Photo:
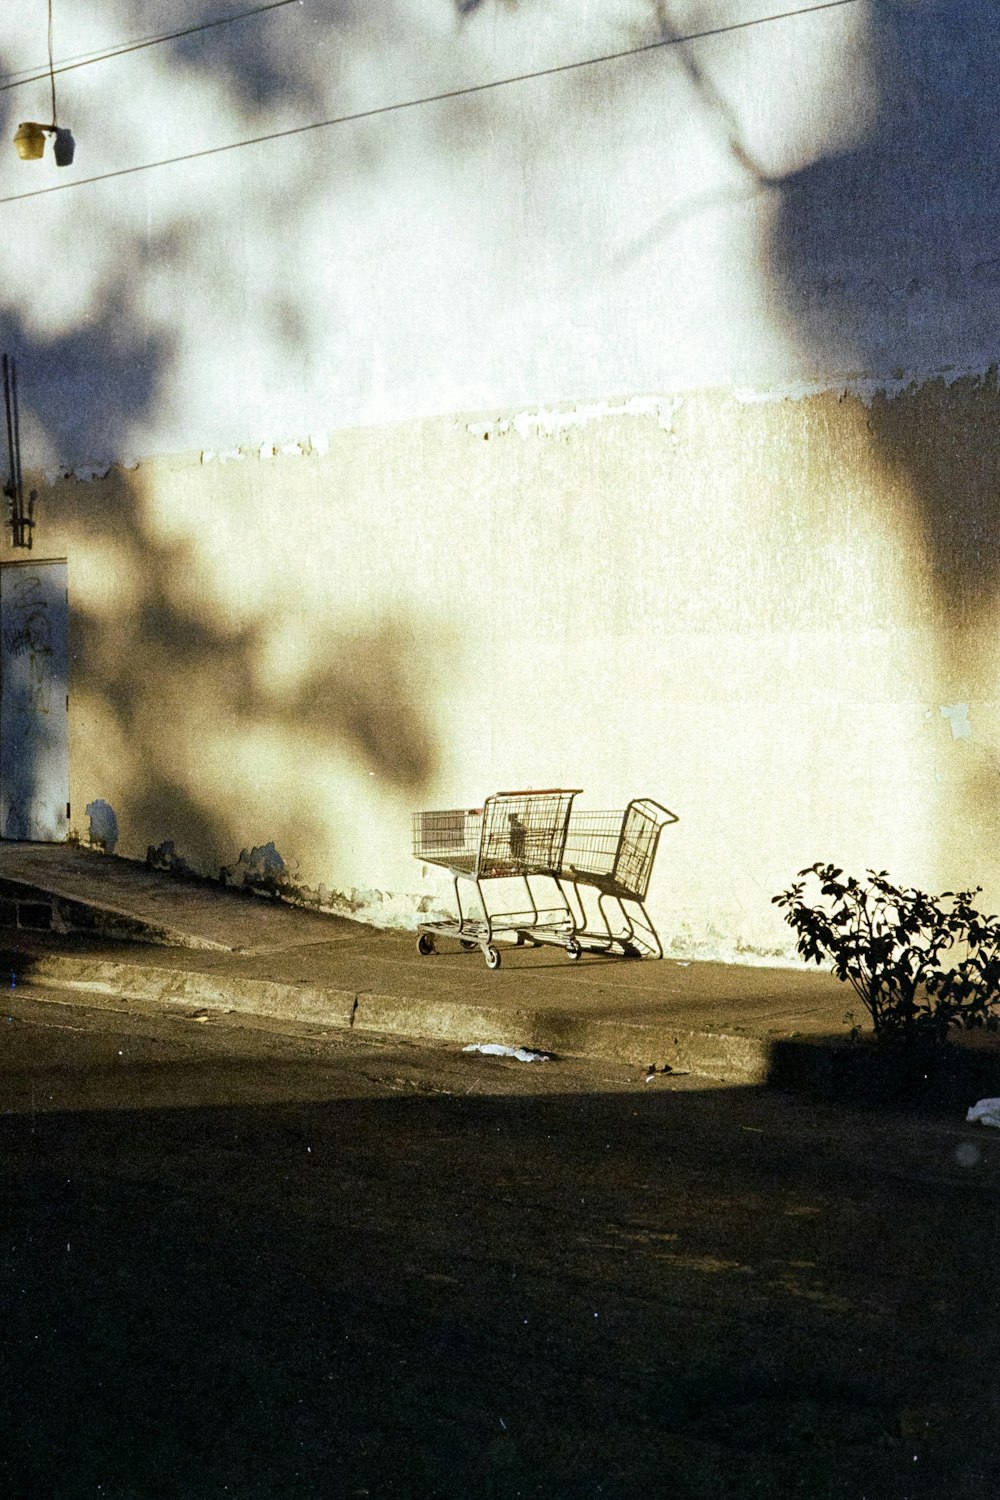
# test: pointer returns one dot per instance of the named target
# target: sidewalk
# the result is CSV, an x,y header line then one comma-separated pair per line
x,y
224,951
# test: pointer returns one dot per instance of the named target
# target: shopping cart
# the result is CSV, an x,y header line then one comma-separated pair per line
x,y
612,853
514,837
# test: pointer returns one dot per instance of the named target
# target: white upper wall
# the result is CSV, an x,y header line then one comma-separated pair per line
x,y
808,200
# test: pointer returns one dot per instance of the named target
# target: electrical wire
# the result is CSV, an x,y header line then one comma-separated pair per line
x,y
137,46
459,93
52,71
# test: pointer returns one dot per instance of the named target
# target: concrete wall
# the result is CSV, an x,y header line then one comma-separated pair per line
x,y
753,611
631,427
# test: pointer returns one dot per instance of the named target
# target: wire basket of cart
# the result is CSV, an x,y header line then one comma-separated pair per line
x,y
611,854
513,847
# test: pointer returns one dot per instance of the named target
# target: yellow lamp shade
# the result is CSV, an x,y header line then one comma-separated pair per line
x,y
29,140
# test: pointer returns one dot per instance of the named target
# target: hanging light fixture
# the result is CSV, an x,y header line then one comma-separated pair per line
x,y
29,141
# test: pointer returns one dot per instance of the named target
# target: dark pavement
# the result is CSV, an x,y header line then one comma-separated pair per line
x,y
240,1263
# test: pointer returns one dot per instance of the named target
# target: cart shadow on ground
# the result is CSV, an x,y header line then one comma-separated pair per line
x,y
527,957
256,1283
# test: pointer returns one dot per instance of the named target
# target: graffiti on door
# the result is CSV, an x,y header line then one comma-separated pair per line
x,y
34,748
27,641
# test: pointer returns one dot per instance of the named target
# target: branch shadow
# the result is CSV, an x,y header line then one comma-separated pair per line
x,y
884,258
164,661
105,378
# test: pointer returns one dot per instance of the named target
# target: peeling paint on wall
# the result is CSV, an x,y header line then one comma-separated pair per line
x,y
957,715
228,455
866,390
86,473
165,857
547,423
103,825
260,868
318,443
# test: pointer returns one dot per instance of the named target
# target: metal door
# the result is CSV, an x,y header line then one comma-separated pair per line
x,y
34,728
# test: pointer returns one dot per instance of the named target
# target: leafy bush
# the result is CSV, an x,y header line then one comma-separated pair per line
x,y
919,963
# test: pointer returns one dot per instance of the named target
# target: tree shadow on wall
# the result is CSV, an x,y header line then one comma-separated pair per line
x,y
886,264
266,59
94,385
162,672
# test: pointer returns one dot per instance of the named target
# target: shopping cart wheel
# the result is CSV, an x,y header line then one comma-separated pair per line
x,y
425,944
468,944
573,949
492,956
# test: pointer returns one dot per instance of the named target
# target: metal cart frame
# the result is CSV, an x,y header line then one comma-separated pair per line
x,y
612,853
514,836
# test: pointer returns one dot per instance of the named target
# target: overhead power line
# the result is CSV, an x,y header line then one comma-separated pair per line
x,y
91,58
459,93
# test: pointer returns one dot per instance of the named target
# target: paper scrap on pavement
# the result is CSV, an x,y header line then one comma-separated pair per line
x,y
495,1049
987,1112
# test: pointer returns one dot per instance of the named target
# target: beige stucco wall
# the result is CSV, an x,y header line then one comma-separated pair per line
x,y
753,611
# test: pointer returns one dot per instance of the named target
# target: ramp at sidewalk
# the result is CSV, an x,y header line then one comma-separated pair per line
x,y
59,886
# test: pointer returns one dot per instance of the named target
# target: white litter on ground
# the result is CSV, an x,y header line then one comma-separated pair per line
x,y
987,1112
495,1049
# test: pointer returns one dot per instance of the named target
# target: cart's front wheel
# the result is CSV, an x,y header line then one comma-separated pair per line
x,y
425,944
492,956
573,949
468,944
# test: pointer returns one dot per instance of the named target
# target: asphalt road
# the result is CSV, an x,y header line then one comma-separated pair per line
x,y
246,1263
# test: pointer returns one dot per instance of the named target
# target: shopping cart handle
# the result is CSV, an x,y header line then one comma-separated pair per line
x,y
546,791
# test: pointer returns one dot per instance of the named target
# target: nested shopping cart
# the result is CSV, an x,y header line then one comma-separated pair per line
x,y
611,854
514,843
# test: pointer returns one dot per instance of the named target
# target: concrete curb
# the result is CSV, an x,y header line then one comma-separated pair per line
x,y
730,1058
173,987
828,1067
